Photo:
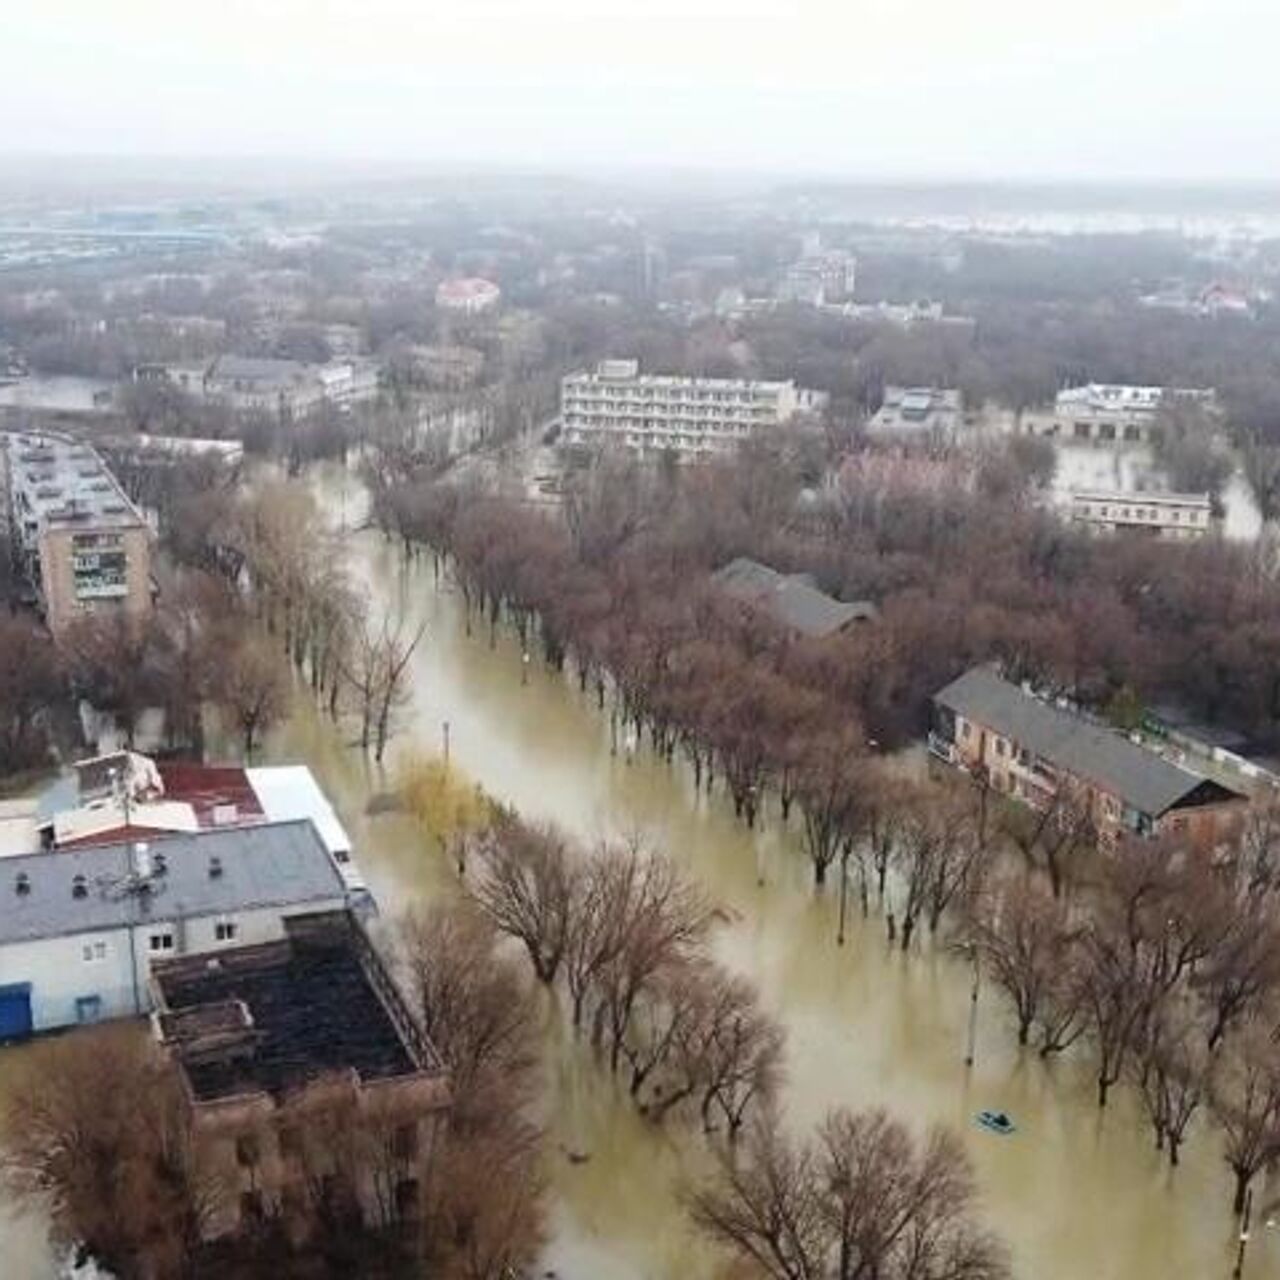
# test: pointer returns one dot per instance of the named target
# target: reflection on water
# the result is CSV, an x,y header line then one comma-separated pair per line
x,y
1076,1194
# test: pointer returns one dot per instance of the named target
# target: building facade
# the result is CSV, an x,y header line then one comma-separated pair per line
x,y
83,545
289,388
1178,516
80,927
918,413
273,1095
1107,412
1048,757
691,417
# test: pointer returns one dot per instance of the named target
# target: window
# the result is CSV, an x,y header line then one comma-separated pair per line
x,y
1000,746
224,931
162,941
88,1008
92,951
965,731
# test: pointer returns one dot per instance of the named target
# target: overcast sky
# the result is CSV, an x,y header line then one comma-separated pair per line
x,y
1106,89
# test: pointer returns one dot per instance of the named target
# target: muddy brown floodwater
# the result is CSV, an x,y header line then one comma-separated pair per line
x,y
1076,1193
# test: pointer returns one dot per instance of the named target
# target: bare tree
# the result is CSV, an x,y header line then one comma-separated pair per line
x,y
862,1201
1026,942
528,889
95,1127
253,687
1246,1104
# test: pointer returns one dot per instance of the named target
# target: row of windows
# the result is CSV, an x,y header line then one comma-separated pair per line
x,y
160,941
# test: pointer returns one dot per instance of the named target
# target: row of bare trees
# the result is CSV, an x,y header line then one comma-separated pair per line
x,y
1168,968
624,936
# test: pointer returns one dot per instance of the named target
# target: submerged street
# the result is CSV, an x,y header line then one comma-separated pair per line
x,y
1074,1192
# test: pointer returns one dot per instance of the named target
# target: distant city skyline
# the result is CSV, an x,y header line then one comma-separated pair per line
x,y
1163,90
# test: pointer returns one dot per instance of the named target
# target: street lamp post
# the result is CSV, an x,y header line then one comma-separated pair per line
x,y
524,667
973,1007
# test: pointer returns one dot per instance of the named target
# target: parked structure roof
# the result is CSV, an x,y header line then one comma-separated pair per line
x,y
1143,780
201,873
790,599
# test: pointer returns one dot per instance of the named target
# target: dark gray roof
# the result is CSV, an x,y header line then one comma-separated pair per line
x,y
276,864
1143,780
791,600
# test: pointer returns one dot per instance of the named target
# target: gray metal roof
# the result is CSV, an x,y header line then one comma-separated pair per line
x,y
791,600
276,864
1143,780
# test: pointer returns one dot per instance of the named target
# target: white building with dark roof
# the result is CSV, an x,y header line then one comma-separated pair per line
x,y
1108,412
80,927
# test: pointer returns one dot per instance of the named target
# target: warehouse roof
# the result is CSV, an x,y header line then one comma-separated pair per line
x,y
199,873
791,600
1143,780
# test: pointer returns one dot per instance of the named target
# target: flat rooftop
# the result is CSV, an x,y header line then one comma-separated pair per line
x,y
274,1017
63,483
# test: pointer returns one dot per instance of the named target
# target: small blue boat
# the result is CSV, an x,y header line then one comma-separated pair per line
x,y
995,1122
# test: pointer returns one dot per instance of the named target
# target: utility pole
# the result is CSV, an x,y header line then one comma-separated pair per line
x,y
445,731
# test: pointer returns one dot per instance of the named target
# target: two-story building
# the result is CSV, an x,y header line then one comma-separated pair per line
x,y
80,926
1035,752
305,1073
1177,516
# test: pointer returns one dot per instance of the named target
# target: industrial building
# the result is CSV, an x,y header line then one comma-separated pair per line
x,y
80,927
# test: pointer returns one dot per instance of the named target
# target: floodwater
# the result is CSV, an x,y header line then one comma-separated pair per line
x,y
1075,1193
1131,467
1078,1195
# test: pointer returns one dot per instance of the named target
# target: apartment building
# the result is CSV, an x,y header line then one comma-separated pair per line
x,y
82,544
1179,516
691,417
80,926
1044,755
1108,412
282,1045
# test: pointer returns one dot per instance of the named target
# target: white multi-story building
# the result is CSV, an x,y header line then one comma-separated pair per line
x,y
918,413
1162,515
80,927
692,417
1108,412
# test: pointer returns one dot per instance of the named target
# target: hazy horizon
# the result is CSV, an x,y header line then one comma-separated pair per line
x,y
1137,91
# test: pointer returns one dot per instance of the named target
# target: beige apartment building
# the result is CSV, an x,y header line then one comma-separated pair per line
x,y
83,545
690,417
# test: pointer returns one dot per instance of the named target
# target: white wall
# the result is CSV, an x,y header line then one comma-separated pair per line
x,y
60,975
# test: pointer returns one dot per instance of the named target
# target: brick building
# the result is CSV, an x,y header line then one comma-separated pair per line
x,y
1031,751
